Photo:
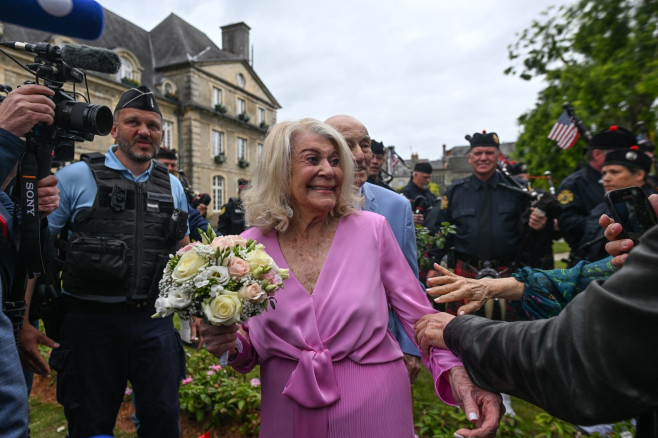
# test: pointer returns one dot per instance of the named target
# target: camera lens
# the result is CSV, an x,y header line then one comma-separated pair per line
x,y
86,117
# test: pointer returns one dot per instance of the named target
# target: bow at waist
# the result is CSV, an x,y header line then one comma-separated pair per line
x,y
312,383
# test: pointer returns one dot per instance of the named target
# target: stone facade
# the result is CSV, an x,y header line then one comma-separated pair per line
x,y
216,110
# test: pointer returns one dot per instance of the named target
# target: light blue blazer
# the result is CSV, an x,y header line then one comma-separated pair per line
x,y
397,211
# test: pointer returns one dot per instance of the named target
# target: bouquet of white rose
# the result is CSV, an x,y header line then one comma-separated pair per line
x,y
224,280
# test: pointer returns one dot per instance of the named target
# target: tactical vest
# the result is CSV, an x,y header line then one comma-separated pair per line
x,y
120,245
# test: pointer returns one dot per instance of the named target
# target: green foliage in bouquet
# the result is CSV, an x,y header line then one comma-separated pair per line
x,y
426,241
216,396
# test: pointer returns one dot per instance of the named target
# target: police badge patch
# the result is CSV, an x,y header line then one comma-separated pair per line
x,y
565,197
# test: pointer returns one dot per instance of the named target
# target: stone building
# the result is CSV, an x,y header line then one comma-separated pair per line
x,y
216,110
452,166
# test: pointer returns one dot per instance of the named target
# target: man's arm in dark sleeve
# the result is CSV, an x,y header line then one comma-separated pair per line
x,y
595,362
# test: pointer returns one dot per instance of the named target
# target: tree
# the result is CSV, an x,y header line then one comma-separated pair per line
x,y
599,55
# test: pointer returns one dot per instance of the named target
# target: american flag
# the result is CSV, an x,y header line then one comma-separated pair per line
x,y
564,132
394,160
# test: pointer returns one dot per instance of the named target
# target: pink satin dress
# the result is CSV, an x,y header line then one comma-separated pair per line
x,y
329,365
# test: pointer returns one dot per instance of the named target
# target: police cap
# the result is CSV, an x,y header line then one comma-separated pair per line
x,y
141,98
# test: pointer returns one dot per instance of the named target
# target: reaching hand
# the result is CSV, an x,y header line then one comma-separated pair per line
x,y
452,287
481,407
429,331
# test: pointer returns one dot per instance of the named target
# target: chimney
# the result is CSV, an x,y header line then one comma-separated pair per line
x,y
235,39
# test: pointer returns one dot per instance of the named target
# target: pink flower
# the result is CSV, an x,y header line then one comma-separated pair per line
x,y
216,367
253,292
187,247
255,382
223,242
238,267
187,380
128,391
210,373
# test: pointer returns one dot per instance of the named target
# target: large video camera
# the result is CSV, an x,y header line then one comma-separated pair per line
x,y
74,121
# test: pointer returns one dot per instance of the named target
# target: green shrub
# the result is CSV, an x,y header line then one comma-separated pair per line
x,y
220,396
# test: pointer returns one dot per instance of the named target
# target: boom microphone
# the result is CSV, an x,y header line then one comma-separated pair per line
x,y
91,58
75,56
75,18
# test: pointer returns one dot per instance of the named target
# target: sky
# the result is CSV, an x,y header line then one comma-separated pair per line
x,y
419,74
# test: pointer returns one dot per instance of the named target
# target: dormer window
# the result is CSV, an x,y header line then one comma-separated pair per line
x,y
127,70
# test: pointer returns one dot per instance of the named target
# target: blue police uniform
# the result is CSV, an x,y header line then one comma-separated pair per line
x,y
578,194
105,342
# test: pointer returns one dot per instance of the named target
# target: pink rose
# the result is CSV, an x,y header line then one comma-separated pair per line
x,y
253,292
223,242
186,248
238,267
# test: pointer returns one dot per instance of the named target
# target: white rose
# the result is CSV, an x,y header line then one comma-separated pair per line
x,y
224,309
179,299
259,259
253,292
187,267
162,307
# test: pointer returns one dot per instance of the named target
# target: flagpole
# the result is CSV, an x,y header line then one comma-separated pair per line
x,y
584,132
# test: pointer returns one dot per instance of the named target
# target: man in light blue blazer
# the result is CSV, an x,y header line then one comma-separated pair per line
x,y
395,208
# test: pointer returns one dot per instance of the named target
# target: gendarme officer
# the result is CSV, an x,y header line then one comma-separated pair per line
x,y
581,191
125,214
231,216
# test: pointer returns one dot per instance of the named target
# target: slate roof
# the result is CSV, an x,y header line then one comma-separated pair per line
x,y
173,42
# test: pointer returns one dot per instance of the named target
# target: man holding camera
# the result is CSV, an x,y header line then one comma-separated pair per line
x,y
418,192
125,214
19,112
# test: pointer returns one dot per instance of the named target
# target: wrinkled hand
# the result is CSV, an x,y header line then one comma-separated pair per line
x,y
618,248
219,338
481,407
26,106
429,331
48,194
31,358
413,364
452,287
418,219
537,222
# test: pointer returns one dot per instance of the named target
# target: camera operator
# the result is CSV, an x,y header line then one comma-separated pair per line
x,y
21,110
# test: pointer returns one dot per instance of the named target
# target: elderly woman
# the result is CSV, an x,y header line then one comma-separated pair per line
x,y
329,366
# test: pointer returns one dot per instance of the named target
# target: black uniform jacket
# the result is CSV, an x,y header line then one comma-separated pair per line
x,y
595,362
